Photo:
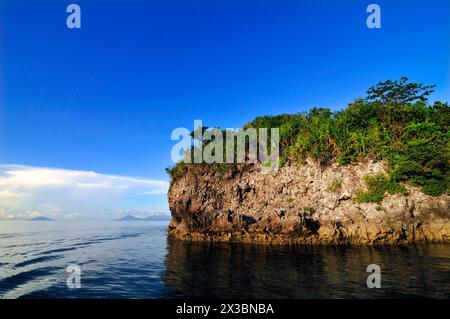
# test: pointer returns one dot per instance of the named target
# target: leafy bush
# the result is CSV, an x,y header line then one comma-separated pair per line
x,y
434,187
377,186
371,196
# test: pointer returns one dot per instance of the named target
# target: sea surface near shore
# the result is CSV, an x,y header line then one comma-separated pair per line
x,y
136,260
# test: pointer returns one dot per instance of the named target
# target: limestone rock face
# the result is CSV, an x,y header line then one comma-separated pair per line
x,y
308,204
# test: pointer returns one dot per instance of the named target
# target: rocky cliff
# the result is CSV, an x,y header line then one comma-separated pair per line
x,y
301,203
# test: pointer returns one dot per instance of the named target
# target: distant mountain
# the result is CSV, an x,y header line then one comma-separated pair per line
x,y
134,218
129,218
41,218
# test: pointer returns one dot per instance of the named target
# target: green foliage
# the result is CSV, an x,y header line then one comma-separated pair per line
x,y
335,186
371,196
399,92
393,122
377,186
177,171
434,187
403,168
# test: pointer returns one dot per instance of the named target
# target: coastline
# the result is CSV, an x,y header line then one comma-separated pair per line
x,y
296,206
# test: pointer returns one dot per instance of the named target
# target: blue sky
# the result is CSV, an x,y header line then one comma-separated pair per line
x,y
105,98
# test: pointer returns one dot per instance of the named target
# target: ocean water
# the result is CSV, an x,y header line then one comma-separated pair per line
x,y
136,260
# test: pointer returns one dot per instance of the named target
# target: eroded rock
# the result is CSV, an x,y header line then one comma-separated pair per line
x,y
296,205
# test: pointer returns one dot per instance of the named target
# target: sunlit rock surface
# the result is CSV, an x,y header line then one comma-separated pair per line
x,y
299,204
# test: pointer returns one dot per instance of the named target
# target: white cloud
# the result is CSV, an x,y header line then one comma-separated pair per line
x,y
8,193
5,215
70,192
34,213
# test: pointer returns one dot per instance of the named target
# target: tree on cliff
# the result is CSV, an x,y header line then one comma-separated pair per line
x,y
399,92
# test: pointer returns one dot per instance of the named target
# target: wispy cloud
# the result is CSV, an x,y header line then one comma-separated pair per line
x,y
69,192
5,215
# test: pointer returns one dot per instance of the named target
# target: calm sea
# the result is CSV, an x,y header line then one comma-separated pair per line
x,y
135,260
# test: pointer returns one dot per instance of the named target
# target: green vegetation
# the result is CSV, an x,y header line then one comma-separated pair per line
x,y
335,186
393,122
176,171
377,186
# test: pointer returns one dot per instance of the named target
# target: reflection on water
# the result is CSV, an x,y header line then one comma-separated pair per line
x,y
258,271
135,260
